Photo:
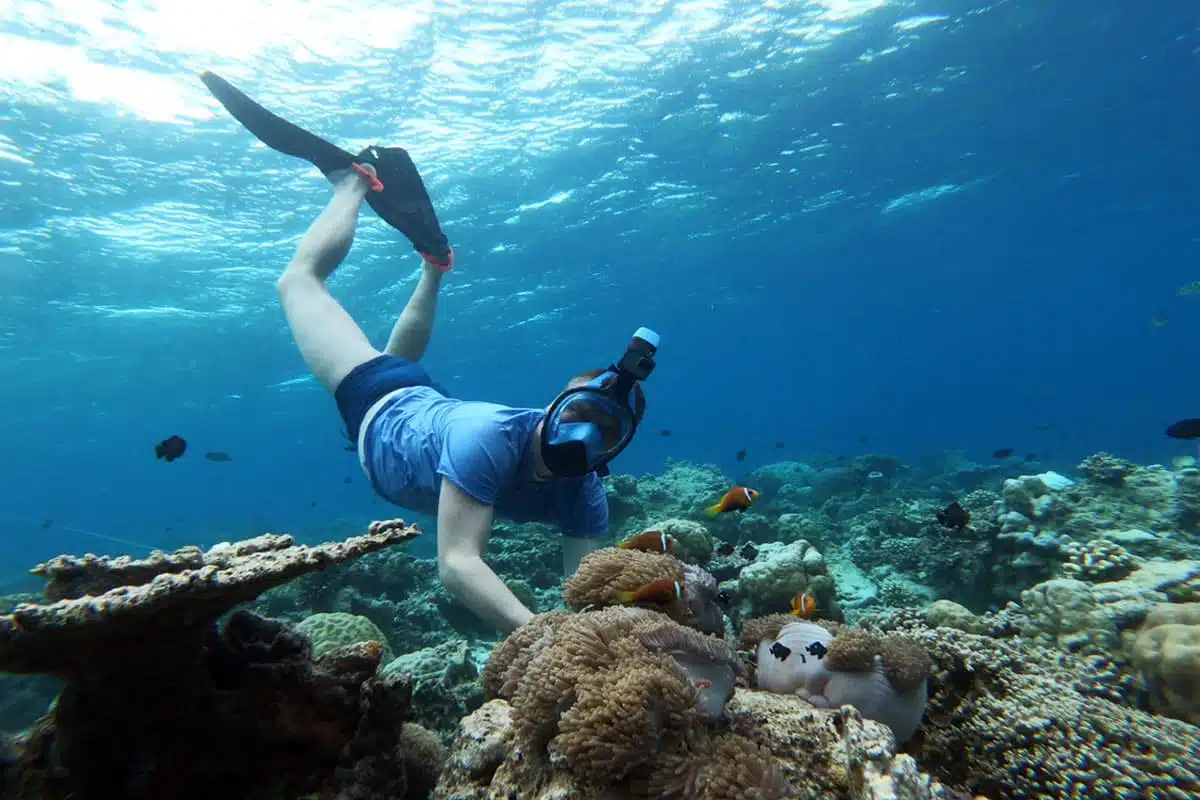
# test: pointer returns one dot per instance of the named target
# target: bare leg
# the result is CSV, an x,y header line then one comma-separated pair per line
x,y
410,335
329,340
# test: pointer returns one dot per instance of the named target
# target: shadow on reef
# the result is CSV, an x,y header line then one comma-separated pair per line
x,y
162,701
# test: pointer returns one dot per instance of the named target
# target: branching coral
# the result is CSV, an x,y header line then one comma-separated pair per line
x,y
160,702
1106,469
1097,560
1009,720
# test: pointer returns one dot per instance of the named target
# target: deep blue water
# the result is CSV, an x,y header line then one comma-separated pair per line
x,y
937,225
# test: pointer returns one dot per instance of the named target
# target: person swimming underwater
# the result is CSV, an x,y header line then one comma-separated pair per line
x,y
469,462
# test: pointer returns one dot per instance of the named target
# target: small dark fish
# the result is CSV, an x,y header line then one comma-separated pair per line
x,y
1031,457
665,432
47,523
1003,452
954,516
1160,321
741,454
1185,429
346,479
170,448
841,458
725,549
862,439
779,445
351,448
724,598
781,651
1046,426
217,455
749,551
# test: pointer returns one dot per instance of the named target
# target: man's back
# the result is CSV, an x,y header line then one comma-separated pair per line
x,y
418,437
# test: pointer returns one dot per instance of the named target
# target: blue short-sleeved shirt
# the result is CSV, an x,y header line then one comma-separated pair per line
x,y
420,437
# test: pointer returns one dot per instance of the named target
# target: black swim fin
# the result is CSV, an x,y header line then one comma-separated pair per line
x,y
404,203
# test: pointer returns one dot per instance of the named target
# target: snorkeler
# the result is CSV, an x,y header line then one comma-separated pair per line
x,y
466,461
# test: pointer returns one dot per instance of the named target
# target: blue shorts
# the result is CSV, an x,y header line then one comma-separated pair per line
x,y
370,381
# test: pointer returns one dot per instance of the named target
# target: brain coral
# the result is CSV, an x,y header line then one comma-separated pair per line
x,y
328,631
1167,651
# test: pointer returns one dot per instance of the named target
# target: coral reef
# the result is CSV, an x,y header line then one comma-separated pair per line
x,y
621,703
1013,720
619,697
1167,653
820,755
779,572
161,701
1097,561
445,684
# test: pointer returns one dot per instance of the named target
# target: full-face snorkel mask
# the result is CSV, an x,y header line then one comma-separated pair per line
x,y
588,425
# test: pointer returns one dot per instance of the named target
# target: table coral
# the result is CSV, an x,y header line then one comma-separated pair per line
x,y
161,702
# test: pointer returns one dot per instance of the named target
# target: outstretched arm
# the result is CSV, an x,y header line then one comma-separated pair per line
x,y
464,525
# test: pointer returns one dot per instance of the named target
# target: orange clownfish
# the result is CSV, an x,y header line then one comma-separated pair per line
x,y
739,498
804,605
664,591
650,541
